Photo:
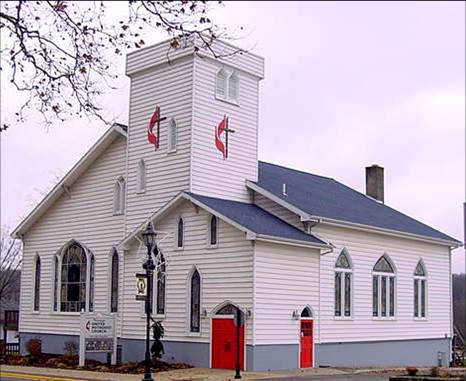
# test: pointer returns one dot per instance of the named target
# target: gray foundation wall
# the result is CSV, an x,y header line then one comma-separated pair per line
x,y
423,352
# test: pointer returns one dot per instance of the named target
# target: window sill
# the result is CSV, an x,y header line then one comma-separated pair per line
x,y
193,334
176,248
227,100
139,192
350,318
419,318
64,313
375,318
159,317
35,312
171,151
118,213
212,246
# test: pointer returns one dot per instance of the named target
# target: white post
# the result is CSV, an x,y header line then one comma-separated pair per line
x,y
82,349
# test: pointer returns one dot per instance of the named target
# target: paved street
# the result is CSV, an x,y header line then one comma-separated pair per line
x,y
346,377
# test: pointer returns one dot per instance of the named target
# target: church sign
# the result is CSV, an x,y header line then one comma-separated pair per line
x,y
98,335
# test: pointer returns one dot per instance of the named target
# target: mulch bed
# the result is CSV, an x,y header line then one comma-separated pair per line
x,y
71,362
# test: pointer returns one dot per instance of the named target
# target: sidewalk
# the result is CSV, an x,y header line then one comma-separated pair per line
x,y
192,374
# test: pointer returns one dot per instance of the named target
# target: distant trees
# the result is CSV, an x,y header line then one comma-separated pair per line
x,y
10,264
459,302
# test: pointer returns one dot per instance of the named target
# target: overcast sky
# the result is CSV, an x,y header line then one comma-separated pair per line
x,y
346,85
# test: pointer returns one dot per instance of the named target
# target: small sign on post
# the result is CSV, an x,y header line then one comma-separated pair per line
x,y
98,335
141,286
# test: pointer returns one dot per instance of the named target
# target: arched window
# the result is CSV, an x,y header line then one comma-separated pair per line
x,y
420,290
37,284
55,283
383,288
306,313
172,135
73,279
195,302
180,233
119,196
161,272
221,84
141,179
91,283
343,285
213,231
114,282
233,87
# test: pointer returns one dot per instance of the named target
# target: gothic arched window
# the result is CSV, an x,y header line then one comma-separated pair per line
x,y
172,135
73,279
180,233
161,273
91,283
55,282
195,302
383,288
343,285
119,190
221,84
420,290
141,176
213,231
37,284
233,87
114,282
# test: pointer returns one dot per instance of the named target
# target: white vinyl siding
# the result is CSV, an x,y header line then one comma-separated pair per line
x,y
211,175
286,279
170,87
226,274
82,215
365,249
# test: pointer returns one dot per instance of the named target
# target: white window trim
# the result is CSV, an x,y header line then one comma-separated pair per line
x,y
155,293
56,292
172,124
343,294
109,285
209,221
379,276
119,196
226,98
141,180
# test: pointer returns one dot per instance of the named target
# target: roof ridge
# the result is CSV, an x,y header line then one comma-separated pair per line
x,y
297,170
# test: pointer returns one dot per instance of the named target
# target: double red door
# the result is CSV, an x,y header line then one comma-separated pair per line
x,y
224,341
306,355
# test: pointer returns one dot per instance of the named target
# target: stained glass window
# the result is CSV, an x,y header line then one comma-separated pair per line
x,y
114,282
213,230
73,279
160,306
91,283
343,287
383,289
180,233
55,283
420,290
37,285
195,309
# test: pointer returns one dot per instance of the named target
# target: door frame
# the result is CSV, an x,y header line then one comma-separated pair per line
x,y
214,316
299,341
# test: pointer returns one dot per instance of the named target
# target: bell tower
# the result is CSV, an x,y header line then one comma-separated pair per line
x,y
196,90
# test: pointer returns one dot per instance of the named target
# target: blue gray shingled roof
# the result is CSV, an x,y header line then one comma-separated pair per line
x,y
256,219
325,197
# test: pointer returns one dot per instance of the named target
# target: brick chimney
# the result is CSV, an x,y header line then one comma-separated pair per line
x,y
374,182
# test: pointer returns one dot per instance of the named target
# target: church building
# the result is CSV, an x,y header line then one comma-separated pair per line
x,y
323,275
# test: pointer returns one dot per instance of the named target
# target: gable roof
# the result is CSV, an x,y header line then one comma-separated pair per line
x,y
257,223
95,151
317,197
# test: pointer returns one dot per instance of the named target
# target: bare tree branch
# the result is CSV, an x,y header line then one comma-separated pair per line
x,y
10,264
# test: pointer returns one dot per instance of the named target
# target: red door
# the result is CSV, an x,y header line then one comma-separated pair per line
x,y
224,344
306,344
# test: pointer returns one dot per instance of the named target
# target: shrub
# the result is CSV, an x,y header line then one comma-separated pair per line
x,y
412,370
34,347
434,371
70,348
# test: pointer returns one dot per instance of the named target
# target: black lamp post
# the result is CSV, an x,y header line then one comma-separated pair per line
x,y
149,239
